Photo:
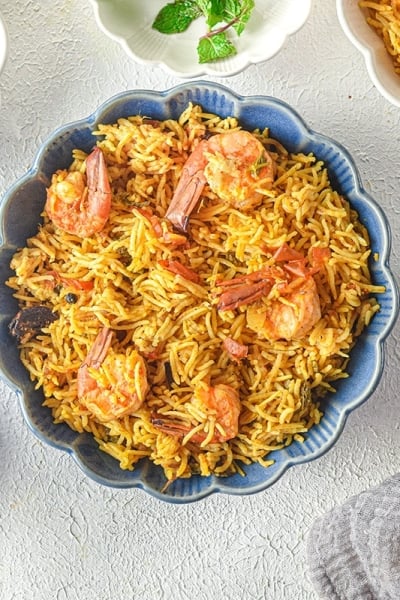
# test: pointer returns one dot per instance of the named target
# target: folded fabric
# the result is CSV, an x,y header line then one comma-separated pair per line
x,y
353,550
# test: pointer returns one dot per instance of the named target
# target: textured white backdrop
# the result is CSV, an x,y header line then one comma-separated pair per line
x,y
64,537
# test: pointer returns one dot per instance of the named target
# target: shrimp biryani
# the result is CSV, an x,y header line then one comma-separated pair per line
x,y
200,289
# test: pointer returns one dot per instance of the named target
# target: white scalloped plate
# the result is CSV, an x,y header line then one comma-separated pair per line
x,y
129,23
379,65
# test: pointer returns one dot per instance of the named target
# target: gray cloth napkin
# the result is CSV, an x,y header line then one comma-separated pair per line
x,y
353,550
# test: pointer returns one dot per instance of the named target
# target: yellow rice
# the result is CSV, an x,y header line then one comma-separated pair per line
x,y
384,18
175,322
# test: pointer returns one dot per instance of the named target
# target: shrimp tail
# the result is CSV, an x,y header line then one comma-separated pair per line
x,y
246,289
243,294
183,205
188,191
180,430
99,349
171,427
94,358
96,173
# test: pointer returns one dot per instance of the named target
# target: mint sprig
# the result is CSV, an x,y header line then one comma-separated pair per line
x,y
221,16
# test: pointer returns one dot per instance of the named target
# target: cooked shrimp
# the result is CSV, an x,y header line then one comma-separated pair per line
x,y
235,165
221,403
80,204
294,307
111,385
291,316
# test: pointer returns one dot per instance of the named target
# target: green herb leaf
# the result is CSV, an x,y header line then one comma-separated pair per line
x,y
215,47
176,17
244,16
232,9
215,12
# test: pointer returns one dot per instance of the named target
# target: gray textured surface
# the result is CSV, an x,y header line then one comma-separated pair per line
x,y
62,536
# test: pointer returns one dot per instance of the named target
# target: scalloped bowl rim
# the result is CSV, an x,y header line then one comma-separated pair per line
x,y
205,69
379,66
162,100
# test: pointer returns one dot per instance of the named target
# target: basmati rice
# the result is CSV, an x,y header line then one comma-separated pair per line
x,y
384,17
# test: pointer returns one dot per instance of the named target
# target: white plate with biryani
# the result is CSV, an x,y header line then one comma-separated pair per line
x,y
373,26
190,39
206,298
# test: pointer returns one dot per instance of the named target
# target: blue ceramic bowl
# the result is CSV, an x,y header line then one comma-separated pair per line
x,y
27,198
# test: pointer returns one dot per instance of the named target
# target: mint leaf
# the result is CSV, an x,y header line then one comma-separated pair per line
x,y
215,12
232,9
176,17
244,16
215,47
